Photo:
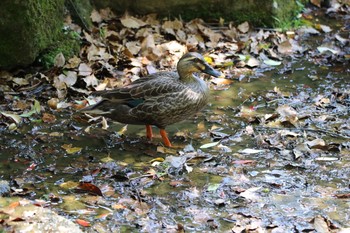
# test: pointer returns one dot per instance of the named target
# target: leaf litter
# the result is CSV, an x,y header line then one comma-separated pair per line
x,y
267,155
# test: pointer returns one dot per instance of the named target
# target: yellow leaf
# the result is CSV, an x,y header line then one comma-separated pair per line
x,y
69,185
159,159
71,150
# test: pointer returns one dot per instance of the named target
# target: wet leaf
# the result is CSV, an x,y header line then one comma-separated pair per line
x,y
244,161
48,118
36,108
71,150
250,151
325,28
272,62
69,185
213,187
285,47
317,143
322,49
251,193
320,224
83,223
16,118
326,159
342,195
253,62
288,114
208,145
91,188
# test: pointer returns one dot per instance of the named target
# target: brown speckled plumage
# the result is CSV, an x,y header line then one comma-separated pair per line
x,y
160,99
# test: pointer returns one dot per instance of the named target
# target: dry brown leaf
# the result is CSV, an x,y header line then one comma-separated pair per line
x,y
253,62
95,16
285,47
20,81
131,22
91,80
317,143
73,62
133,46
84,69
48,118
287,113
243,27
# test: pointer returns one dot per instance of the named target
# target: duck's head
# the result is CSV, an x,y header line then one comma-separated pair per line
x,y
194,63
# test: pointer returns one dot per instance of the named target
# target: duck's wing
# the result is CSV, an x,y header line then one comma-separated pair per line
x,y
154,85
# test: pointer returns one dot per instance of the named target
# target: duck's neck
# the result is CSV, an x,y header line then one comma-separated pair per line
x,y
186,76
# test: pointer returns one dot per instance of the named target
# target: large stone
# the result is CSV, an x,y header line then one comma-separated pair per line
x,y
258,12
27,28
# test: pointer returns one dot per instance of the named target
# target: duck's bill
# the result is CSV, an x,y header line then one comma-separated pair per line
x,y
210,70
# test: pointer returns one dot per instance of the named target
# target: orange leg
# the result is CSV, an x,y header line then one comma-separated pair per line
x,y
149,134
165,138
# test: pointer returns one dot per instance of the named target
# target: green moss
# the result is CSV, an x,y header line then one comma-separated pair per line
x,y
288,18
68,44
26,28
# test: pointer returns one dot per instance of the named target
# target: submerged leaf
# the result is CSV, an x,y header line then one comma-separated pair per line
x,y
16,118
272,62
36,108
208,145
91,188
251,151
213,187
71,150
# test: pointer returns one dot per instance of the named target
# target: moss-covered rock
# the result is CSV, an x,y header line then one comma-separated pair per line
x,y
27,28
67,43
258,12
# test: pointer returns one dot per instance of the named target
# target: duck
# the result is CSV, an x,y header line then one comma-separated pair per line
x,y
159,99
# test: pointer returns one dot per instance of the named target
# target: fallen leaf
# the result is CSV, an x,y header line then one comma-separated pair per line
x,y
91,80
84,70
208,145
271,62
325,28
36,108
82,222
323,49
48,118
16,118
213,187
131,22
95,16
253,62
71,150
91,188
250,151
59,60
243,27
318,142
20,81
